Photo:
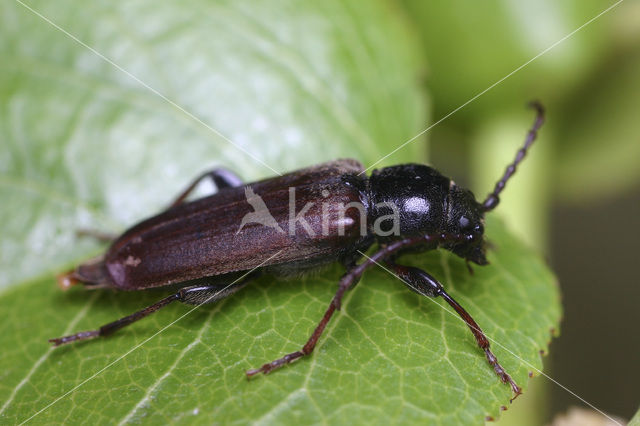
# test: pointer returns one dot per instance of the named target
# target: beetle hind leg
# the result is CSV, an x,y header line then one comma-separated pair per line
x,y
107,329
195,295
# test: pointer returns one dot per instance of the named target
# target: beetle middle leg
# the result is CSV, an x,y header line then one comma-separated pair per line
x,y
194,295
350,279
424,284
347,282
221,177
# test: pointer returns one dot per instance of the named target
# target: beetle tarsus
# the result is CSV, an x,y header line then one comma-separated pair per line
x,y
115,325
307,348
83,335
274,365
195,295
502,374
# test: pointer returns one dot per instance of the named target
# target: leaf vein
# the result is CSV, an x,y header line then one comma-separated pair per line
x,y
44,356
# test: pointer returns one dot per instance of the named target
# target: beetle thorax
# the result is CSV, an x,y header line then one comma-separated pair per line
x,y
413,195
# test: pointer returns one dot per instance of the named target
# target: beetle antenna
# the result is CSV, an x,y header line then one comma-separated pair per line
x,y
492,199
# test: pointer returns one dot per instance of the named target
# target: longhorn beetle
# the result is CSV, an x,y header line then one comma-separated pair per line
x,y
213,246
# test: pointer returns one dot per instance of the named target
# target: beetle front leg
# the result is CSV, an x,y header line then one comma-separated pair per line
x,y
426,285
221,177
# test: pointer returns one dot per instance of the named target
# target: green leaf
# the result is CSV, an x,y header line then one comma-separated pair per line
x,y
389,355
635,421
86,146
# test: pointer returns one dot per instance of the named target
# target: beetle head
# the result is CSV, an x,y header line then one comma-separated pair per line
x,y
465,216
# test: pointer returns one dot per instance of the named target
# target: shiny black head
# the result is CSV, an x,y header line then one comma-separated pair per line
x,y
465,216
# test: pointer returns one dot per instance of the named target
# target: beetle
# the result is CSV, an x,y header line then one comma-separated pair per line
x,y
213,246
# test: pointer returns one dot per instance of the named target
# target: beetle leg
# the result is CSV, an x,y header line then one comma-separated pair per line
x,y
221,177
348,281
200,295
107,329
426,285
196,295
103,237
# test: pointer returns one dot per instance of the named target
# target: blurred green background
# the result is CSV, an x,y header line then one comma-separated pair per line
x,y
576,199
580,202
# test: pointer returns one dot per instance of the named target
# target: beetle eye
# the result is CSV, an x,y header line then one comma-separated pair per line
x,y
464,222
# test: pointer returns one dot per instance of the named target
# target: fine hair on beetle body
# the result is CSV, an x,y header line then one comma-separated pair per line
x,y
210,248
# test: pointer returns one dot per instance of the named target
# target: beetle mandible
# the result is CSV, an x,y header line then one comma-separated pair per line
x,y
213,246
